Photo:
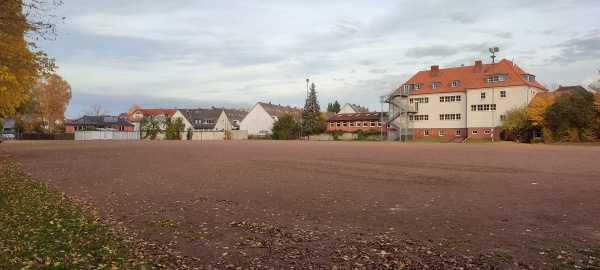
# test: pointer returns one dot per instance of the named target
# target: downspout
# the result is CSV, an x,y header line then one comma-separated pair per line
x,y
466,115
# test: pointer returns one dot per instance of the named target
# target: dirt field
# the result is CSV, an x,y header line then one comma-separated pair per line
x,y
284,204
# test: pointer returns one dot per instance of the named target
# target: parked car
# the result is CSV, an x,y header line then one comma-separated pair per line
x,y
8,136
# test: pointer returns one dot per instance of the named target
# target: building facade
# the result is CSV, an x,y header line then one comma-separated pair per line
x,y
352,122
461,102
259,121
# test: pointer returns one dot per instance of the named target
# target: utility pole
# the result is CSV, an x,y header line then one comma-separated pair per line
x,y
493,105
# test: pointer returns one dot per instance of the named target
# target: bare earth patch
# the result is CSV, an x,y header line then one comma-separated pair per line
x,y
272,204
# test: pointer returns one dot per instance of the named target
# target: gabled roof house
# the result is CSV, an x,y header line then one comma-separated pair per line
x,y
461,101
353,108
260,120
213,119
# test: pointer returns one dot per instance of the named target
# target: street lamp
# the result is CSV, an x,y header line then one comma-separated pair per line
x,y
307,89
493,50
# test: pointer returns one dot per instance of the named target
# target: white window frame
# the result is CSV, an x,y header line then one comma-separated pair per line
x,y
458,133
435,85
502,94
426,133
487,132
331,124
454,84
482,95
474,132
418,87
441,133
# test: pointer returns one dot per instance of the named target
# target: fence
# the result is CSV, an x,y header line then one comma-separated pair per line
x,y
107,135
218,135
44,136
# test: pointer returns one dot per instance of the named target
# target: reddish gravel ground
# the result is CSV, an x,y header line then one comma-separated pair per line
x,y
365,205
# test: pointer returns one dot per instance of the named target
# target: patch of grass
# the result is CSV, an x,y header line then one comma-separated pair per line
x,y
40,228
430,140
479,141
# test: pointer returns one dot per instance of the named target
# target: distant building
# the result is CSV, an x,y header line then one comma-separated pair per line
x,y
139,115
568,89
352,108
351,122
213,119
260,120
7,125
100,122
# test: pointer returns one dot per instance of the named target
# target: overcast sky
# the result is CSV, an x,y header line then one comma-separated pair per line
x,y
194,53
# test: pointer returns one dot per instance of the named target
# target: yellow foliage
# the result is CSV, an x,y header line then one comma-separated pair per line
x,y
19,65
52,96
536,111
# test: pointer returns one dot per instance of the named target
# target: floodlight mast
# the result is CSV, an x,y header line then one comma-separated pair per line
x,y
493,50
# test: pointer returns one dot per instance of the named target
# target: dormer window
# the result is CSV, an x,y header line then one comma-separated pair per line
x,y
435,85
406,89
418,86
454,84
528,77
495,78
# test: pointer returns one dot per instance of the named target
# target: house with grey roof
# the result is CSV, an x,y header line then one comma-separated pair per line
x,y
100,122
213,119
260,120
353,108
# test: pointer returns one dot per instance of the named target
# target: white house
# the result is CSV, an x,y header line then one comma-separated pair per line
x,y
460,101
213,119
352,108
260,120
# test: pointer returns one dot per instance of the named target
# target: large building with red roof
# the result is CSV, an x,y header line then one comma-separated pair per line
x,y
460,102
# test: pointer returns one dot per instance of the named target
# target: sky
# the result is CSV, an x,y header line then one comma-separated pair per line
x,y
233,54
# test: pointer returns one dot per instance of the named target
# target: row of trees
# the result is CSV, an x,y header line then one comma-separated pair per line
x,y
28,85
173,129
566,117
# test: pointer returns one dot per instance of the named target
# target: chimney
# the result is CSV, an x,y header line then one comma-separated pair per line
x,y
435,71
478,66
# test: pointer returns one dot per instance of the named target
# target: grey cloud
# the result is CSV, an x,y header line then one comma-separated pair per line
x,y
576,49
378,70
347,27
462,17
445,50
367,62
505,34
437,50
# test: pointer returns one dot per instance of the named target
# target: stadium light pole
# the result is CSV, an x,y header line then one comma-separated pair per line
x,y
493,50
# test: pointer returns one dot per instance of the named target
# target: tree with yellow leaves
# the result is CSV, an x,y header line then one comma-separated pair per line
x,y
20,62
536,112
52,95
